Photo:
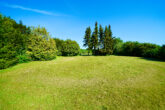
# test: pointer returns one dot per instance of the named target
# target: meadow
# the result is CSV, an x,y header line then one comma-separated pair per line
x,y
84,83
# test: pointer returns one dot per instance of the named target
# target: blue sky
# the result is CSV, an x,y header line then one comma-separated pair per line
x,y
131,20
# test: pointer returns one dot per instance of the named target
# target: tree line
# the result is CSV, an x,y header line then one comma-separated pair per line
x,y
101,42
20,43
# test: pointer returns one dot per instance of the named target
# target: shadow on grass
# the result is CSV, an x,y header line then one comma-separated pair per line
x,y
145,58
152,59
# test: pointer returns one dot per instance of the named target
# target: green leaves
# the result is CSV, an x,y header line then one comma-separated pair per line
x,y
12,41
67,47
162,52
40,45
70,48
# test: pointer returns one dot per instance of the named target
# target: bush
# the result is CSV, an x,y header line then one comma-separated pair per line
x,y
5,63
41,49
140,49
152,53
130,48
67,47
149,50
59,44
13,38
118,44
40,45
70,48
23,58
162,52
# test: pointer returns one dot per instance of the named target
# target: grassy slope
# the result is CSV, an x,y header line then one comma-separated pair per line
x,y
86,83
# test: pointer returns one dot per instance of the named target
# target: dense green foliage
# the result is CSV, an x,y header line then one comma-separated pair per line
x,y
70,48
84,83
94,39
137,49
117,46
13,40
19,43
40,45
131,48
24,58
108,41
140,49
162,52
67,47
59,44
101,37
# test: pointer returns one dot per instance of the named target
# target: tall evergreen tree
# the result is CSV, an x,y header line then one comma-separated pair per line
x,y
106,35
101,37
87,39
109,41
110,31
95,38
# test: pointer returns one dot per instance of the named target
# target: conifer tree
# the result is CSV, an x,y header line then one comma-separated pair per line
x,y
87,39
101,37
108,40
110,31
106,35
95,38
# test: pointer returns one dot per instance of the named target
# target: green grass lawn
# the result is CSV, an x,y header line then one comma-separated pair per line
x,y
84,83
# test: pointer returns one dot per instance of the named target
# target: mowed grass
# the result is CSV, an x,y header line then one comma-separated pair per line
x,y
84,83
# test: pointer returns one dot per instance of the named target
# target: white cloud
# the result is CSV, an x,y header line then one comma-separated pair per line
x,y
33,10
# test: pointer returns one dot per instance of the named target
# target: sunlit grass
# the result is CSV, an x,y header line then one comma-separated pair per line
x,y
84,83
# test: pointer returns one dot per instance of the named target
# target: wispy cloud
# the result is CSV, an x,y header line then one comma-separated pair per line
x,y
33,10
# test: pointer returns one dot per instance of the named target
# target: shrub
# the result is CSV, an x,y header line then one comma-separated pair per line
x,y
140,49
5,63
150,50
59,44
67,47
23,58
117,46
152,53
130,48
13,38
40,48
70,48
